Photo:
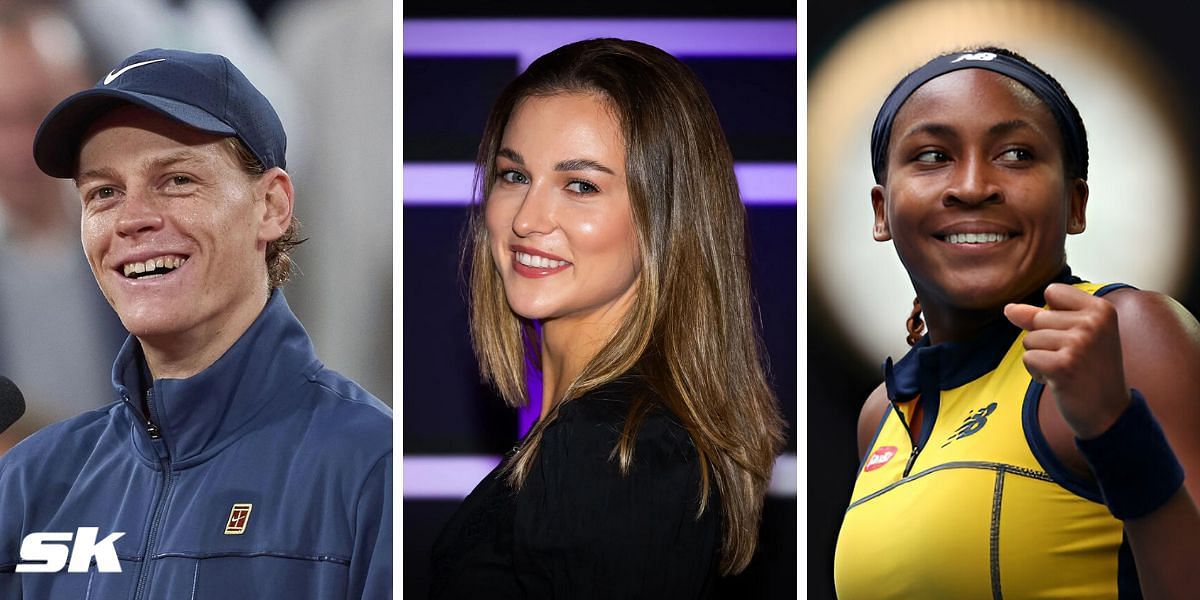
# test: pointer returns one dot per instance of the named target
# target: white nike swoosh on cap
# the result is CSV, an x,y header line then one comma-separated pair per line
x,y
112,75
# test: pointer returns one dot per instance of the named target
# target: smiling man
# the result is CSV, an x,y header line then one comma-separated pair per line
x,y
232,463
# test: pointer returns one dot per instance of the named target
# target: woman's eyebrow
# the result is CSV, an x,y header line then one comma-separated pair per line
x,y
933,129
582,164
572,164
942,130
1010,126
511,154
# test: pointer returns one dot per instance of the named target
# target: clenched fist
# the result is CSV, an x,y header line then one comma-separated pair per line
x,y
1074,348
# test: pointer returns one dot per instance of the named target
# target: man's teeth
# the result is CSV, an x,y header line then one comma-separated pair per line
x,y
540,262
976,238
162,262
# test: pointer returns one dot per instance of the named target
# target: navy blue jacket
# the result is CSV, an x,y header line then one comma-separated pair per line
x,y
266,425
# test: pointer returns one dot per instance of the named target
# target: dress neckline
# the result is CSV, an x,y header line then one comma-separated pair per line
x,y
938,367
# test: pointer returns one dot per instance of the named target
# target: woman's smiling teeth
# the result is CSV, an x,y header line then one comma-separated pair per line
x,y
153,267
539,262
976,238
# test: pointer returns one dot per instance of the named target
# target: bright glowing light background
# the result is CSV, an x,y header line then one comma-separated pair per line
x,y
1139,207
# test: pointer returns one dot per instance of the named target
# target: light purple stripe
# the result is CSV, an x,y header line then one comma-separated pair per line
x,y
432,184
766,183
453,477
429,183
527,39
445,477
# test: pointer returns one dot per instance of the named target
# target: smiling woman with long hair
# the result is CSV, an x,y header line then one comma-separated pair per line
x,y
1016,450
609,251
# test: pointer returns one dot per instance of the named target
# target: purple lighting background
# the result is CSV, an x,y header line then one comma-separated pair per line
x,y
528,39
449,183
528,414
456,428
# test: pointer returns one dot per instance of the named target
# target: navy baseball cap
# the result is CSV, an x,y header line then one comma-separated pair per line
x,y
203,91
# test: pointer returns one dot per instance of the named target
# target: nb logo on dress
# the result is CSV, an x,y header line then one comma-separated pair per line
x,y
972,424
984,56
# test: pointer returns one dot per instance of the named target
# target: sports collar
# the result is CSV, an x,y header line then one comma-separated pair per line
x,y
928,367
200,415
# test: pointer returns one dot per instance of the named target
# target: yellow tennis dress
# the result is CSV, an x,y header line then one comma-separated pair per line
x,y
981,508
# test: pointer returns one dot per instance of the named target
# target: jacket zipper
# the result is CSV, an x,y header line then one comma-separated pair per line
x,y
155,434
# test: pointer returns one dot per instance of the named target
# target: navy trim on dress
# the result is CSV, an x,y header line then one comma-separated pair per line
x,y
1112,287
862,461
957,363
930,376
1128,584
927,369
1068,479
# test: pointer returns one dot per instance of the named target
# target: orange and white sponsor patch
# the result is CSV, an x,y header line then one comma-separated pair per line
x,y
879,457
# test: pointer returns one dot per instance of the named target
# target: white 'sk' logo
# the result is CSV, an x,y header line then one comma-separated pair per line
x,y
115,74
47,552
977,56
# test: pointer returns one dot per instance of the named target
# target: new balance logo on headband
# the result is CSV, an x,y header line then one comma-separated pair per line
x,y
976,56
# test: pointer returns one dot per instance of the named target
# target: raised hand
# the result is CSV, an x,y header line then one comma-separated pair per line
x,y
1075,349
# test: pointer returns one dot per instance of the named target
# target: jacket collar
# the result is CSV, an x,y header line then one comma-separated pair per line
x,y
199,415
937,367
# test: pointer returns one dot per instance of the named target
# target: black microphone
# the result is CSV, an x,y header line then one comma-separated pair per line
x,y
12,403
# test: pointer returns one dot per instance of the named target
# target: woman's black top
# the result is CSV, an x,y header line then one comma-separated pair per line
x,y
578,529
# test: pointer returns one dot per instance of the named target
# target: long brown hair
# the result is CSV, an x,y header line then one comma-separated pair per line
x,y
692,331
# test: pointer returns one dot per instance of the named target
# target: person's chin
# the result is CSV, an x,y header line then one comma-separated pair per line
x,y
982,295
533,309
148,321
